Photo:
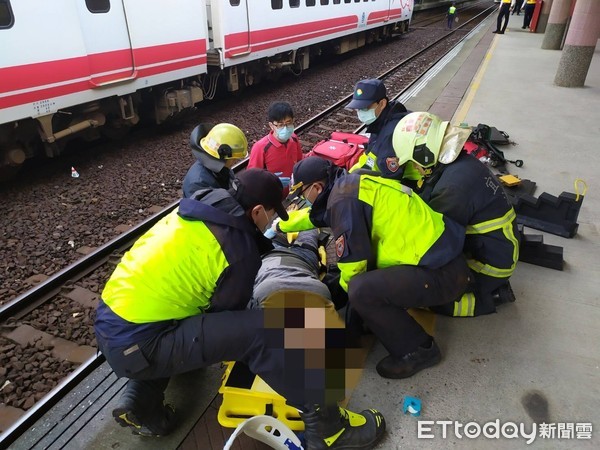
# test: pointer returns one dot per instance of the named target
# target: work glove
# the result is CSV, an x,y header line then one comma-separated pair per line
x,y
272,230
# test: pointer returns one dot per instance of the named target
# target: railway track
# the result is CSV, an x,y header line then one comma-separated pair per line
x,y
69,297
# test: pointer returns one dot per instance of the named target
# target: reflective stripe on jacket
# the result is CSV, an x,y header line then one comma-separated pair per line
x,y
203,255
468,193
379,223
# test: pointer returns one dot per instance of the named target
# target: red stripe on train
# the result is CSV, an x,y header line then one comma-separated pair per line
x,y
39,74
84,85
289,40
380,16
261,37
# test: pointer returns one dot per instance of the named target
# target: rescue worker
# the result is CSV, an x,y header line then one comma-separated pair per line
x,y
217,149
461,187
380,115
176,302
394,253
451,15
279,150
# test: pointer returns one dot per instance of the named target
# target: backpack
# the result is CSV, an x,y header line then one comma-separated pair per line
x,y
482,145
342,149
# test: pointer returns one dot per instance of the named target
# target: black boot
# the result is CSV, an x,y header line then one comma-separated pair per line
x,y
504,294
141,408
411,363
334,428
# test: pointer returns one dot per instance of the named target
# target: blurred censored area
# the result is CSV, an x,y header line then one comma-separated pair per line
x,y
322,363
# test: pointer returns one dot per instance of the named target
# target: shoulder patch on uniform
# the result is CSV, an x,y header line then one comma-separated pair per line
x,y
340,245
392,164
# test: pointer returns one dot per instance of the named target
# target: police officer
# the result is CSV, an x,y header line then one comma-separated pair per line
x,y
394,253
217,149
462,188
176,303
380,115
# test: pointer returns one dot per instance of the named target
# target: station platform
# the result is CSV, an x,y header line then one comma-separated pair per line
x,y
537,361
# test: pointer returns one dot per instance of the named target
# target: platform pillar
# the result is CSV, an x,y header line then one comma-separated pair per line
x,y
544,14
557,24
580,43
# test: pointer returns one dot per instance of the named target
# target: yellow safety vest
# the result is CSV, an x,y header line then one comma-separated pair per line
x,y
403,227
182,262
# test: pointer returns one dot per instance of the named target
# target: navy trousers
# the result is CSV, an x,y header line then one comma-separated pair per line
x,y
206,339
381,298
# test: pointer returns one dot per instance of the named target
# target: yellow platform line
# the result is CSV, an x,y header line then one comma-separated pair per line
x,y
465,106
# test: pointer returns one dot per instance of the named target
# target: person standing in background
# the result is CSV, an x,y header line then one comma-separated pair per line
x,y
503,13
451,15
279,150
517,8
529,8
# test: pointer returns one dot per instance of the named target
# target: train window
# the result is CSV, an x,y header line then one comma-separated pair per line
x,y
276,4
234,2
294,3
6,15
311,2
336,2
324,2
98,6
347,1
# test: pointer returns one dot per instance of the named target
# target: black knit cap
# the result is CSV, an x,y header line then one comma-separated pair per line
x,y
259,187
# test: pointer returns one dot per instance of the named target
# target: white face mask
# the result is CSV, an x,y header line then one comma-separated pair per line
x,y
367,116
268,222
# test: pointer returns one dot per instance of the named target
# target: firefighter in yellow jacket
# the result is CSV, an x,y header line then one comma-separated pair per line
x,y
462,188
176,303
394,253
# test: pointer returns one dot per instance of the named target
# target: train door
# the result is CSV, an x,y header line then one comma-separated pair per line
x,y
106,39
242,14
390,5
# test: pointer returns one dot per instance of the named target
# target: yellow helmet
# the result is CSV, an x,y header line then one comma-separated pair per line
x,y
225,141
418,137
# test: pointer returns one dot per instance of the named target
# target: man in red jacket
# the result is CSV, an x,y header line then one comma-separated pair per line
x,y
279,150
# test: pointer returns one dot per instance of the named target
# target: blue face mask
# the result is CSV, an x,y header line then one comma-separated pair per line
x,y
367,116
284,133
305,198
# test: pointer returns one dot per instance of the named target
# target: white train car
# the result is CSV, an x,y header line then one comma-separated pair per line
x,y
81,68
250,38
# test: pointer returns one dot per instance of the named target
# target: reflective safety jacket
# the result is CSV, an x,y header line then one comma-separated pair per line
x,y
380,148
379,223
202,257
468,193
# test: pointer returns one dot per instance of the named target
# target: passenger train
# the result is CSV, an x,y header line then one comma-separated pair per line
x,y
95,67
